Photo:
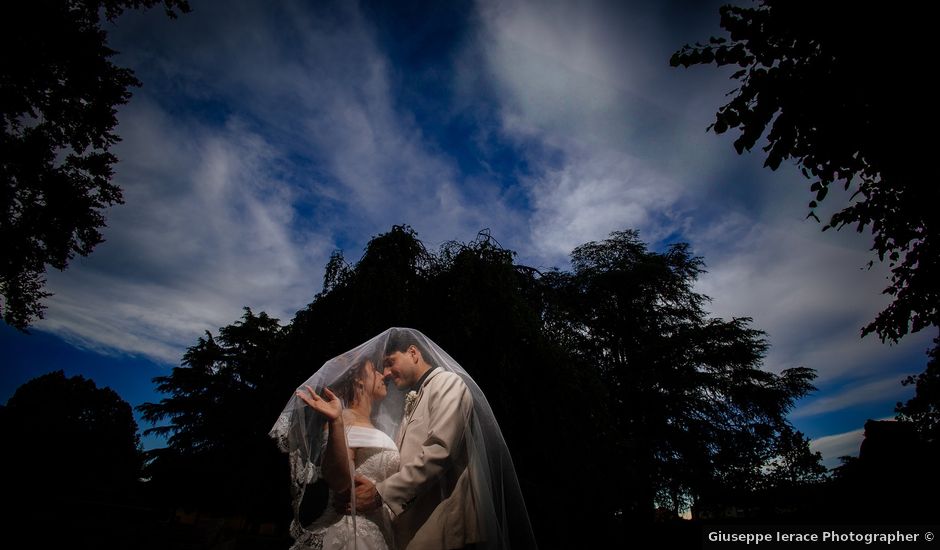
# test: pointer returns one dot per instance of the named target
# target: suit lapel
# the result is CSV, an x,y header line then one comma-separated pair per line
x,y
407,418
401,431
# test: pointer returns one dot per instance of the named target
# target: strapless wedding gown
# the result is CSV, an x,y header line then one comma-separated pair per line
x,y
376,457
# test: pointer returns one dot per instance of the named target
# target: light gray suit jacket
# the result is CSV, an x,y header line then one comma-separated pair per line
x,y
432,497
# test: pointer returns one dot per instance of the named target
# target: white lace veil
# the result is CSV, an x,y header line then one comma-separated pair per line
x,y
299,431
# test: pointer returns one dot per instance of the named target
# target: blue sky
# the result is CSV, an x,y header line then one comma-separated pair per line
x,y
269,134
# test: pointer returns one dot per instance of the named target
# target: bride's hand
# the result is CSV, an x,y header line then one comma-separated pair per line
x,y
329,406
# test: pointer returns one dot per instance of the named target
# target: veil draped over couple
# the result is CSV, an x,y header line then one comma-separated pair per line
x,y
409,448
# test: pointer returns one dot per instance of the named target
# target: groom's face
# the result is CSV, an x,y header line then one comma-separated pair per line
x,y
401,367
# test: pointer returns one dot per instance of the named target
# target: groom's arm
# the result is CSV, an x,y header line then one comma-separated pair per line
x,y
449,407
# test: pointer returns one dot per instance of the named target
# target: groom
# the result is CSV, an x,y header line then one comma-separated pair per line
x,y
430,498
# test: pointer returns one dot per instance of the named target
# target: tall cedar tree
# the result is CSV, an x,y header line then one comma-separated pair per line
x,y
694,416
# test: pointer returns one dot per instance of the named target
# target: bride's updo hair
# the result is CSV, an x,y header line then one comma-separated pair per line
x,y
345,387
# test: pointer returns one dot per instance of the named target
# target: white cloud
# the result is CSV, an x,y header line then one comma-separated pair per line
x,y
587,199
834,446
317,84
869,391
563,67
205,231
807,290
841,444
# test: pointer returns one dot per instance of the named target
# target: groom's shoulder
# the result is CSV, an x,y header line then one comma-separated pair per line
x,y
445,379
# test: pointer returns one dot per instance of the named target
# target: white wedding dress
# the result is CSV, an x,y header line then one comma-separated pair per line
x,y
376,457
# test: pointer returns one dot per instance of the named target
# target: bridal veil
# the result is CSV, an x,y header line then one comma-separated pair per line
x,y
299,431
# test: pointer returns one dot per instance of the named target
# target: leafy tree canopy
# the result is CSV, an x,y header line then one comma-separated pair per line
x,y
843,88
692,410
218,410
58,96
69,436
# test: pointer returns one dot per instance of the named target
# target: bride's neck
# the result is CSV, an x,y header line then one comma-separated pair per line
x,y
360,413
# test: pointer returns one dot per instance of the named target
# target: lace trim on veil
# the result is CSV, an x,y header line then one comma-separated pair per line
x,y
279,432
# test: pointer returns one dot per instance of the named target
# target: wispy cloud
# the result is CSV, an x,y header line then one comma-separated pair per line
x,y
587,83
837,445
589,198
806,288
879,389
315,82
834,446
206,229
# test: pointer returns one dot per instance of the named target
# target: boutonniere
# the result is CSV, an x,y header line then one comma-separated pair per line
x,y
410,399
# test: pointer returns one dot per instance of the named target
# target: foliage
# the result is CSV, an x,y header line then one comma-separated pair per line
x,y
486,311
219,406
610,375
923,410
58,99
841,86
55,426
887,482
358,302
793,463
690,407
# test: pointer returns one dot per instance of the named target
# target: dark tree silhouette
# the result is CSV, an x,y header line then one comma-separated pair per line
x,y
693,413
383,289
893,478
841,85
923,410
68,445
793,463
485,310
58,97
793,483
219,408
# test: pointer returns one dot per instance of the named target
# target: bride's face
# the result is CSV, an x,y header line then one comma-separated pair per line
x,y
374,382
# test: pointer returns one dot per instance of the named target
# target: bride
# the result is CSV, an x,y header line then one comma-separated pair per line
x,y
353,445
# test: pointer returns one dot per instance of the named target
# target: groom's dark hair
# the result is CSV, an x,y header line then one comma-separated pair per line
x,y
401,340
